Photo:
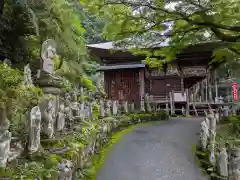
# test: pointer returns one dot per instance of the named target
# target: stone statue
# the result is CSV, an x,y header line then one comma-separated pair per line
x,y
142,106
102,109
65,170
48,52
7,61
114,108
147,101
125,106
204,134
5,137
60,123
5,140
132,107
49,120
27,75
223,162
108,108
34,130
235,163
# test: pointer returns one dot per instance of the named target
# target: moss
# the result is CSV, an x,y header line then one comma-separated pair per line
x,y
44,165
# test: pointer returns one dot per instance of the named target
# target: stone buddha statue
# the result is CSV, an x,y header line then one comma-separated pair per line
x,y
46,75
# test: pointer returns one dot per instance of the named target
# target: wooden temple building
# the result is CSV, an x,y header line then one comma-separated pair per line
x,y
188,81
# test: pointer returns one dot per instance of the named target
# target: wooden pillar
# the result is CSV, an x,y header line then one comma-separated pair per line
x,y
206,90
216,84
209,85
187,102
141,84
182,83
202,90
173,102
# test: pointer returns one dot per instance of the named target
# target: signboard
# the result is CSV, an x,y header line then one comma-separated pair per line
x,y
235,91
180,97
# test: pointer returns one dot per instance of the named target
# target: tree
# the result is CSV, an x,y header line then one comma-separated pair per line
x,y
173,22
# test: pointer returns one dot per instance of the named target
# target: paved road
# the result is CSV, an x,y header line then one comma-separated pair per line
x,y
161,151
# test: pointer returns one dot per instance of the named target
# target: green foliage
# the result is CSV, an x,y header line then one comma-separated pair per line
x,y
146,24
16,98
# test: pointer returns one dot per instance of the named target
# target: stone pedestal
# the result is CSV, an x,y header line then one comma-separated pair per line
x,y
51,86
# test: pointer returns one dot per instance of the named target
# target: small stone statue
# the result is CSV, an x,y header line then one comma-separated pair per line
x,y
212,158
49,120
60,123
223,162
125,106
235,163
48,53
102,109
5,138
204,134
27,75
69,118
114,108
132,107
147,101
65,170
34,130
108,108
142,107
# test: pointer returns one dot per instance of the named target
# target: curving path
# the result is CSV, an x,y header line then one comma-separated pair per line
x,y
161,151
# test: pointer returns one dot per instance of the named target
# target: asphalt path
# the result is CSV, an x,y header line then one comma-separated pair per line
x,y
159,151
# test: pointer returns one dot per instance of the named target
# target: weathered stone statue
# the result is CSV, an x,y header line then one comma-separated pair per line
x,y
125,107
204,134
50,83
212,119
148,105
5,140
49,120
223,162
65,170
114,108
48,53
27,75
142,105
5,137
60,120
212,158
235,163
34,127
102,108
108,108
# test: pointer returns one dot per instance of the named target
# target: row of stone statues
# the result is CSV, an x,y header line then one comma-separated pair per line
x,y
222,157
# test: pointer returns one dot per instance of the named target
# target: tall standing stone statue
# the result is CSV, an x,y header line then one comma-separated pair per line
x,y
47,80
27,75
68,111
114,108
125,107
102,109
48,53
223,162
5,138
49,120
34,127
60,123
204,134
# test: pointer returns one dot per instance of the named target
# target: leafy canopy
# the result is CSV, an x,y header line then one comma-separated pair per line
x,y
174,23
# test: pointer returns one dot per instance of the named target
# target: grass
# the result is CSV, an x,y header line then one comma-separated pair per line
x,y
99,159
